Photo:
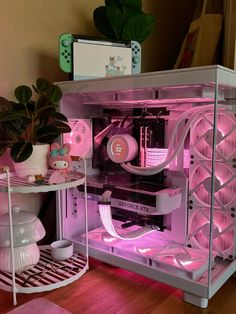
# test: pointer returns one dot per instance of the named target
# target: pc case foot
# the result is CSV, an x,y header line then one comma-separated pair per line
x,y
195,300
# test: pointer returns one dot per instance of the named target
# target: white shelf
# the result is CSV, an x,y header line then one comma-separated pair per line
x,y
20,185
47,274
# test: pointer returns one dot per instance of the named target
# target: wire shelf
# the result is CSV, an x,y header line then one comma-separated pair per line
x,y
48,274
21,185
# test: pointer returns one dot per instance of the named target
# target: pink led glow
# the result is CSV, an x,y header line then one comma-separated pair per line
x,y
221,131
163,101
224,184
220,180
143,251
184,263
187,265
109,239
219,228
222,231
156,156
202,136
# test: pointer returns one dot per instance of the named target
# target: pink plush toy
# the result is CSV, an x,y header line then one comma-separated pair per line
x,y
59,160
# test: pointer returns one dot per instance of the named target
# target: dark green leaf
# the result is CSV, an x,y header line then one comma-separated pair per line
x,y
31,106
126,6
116,20
138,27
46,134
23,94
17,127
53,114
62,127
11,115
43,85
35,89
132,6
55,94
42,101
21,151
19,107
101,22
5,104
45,112
59,116
114,3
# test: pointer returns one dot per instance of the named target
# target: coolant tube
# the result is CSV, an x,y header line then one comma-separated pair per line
x,y
171,154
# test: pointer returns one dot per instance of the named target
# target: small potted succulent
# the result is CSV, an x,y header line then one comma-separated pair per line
x,y
31,124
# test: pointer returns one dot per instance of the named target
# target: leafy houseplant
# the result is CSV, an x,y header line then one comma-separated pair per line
x,y
31,120
123,20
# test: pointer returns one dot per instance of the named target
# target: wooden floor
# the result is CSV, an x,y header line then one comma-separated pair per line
x,y
106,289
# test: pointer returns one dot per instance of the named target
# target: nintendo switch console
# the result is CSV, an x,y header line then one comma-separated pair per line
x,y
88,57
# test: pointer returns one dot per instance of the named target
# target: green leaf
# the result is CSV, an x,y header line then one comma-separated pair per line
x,y
133,6
19,107
59,116
21,151
116,20
43,85
138,27
45,113
55,94
31,106
43,101
101,22
114,3
35,89
46,134
62,127
54,115
11,115
123,20
23,94
5,104
17,127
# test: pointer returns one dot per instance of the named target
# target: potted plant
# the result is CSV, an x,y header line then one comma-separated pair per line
x,y
123,20
30,122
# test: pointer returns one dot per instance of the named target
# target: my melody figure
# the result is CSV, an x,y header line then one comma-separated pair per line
x,y
59,160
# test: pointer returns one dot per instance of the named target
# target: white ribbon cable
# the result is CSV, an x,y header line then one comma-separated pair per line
x,y
106,218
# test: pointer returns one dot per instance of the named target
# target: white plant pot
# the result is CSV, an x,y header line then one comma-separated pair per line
x,y
36,164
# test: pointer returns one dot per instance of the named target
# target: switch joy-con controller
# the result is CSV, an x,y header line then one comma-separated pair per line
x,y
136,57
65,51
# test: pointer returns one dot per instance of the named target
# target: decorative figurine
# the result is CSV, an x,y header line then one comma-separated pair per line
x,y
59,160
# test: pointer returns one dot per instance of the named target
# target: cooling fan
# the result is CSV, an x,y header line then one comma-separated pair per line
x,y
80,137
201,139
192,262
224,184
222,231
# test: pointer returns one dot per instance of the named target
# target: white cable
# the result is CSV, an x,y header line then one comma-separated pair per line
x,y
171,154
106,218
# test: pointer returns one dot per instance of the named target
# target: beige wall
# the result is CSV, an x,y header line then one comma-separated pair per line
x,y
29,41
29,36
